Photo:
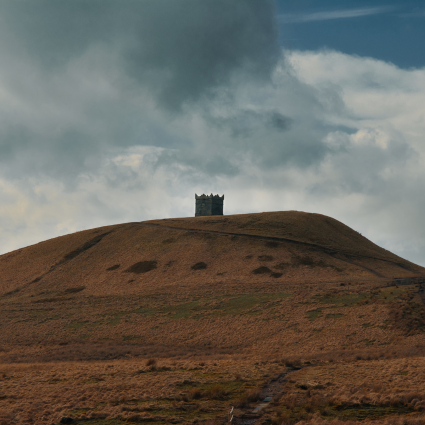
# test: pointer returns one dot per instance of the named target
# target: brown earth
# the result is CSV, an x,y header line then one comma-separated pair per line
x,y
225,303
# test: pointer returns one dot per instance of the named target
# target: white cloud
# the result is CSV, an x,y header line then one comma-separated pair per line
x,y
332,14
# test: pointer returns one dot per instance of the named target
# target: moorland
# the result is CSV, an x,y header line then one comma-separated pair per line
x,y
288,317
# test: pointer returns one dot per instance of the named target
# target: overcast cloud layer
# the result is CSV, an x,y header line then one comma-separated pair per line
x,y
113,112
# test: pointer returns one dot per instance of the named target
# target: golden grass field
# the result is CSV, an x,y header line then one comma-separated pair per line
x,y
177,320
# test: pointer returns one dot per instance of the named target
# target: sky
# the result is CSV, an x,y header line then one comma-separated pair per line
x,y
116,111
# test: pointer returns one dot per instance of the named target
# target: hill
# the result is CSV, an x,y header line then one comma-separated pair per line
x,y
153,283
226,292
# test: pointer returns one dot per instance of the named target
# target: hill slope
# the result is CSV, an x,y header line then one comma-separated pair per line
x,y
253,283
223,308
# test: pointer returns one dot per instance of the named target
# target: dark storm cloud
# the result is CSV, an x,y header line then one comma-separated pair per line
x,y
198,167
182,50
85,77
246,122
186,49
279,121
52,32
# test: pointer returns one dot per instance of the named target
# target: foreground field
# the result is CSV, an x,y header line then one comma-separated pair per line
x,y
384,391
177,391
175,321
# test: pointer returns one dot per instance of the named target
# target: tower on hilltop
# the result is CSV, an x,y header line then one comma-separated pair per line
x,y
209,205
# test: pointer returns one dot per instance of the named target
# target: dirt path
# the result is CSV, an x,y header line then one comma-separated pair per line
x,y
270,390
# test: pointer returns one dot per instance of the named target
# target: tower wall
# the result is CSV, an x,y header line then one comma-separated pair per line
x,y
208,205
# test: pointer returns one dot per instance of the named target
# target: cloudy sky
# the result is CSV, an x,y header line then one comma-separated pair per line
x,y
114,111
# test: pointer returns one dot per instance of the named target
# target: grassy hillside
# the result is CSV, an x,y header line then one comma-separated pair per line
x,y
223,302
311,229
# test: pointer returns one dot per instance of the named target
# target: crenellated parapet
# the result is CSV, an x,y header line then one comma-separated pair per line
x,y
203,196
208,205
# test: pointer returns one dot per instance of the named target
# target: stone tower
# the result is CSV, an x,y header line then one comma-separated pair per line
x,y
209,205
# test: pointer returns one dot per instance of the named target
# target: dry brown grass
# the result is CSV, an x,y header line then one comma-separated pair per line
x,y
385,391
420,420
383,382
136,322
324,322
163,256
204,389
295,225
43,393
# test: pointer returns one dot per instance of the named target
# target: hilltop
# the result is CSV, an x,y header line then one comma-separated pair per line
x,y
154,283
220,292
231,247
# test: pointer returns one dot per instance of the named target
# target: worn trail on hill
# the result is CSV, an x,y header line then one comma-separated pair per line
x,y
331,252
68,257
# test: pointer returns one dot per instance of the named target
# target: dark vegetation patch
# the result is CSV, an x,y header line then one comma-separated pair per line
x,y
307,261
314,314
262,270
266,270
199,266
74,289
310,261
334,316
114,267
265,258
282,266
142,267
272,244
